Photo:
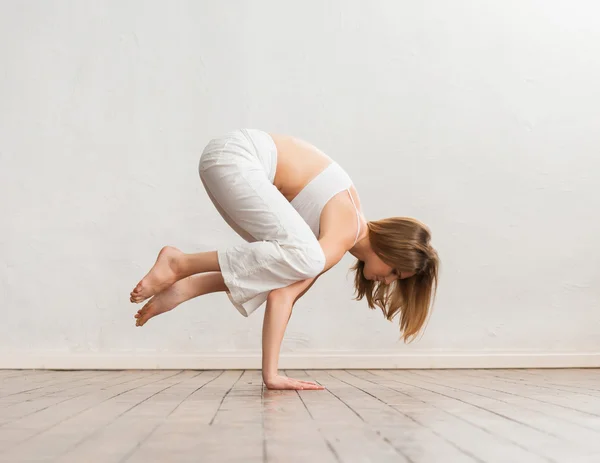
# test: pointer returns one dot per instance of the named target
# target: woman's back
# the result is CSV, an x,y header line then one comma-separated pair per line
x,y
298,164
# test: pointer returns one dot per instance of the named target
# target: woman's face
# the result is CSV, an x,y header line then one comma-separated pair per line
x,y
377,270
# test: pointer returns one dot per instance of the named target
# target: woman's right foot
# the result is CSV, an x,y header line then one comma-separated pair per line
x,y
162,275
166,300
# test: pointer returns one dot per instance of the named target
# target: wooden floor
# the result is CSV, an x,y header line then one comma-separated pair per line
x,y
362,416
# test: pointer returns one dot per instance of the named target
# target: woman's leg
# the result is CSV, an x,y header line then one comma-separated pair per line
x,y
280,247
171,266
183,290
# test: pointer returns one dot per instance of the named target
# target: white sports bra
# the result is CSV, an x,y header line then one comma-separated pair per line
x,y
314,196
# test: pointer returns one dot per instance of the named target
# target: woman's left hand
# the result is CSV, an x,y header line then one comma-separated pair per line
x,y
279,382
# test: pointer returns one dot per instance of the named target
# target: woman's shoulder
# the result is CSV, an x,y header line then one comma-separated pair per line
x,y
342,219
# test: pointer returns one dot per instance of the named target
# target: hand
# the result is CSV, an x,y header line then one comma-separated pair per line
x,y
279,382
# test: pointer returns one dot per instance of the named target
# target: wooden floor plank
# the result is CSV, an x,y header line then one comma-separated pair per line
x,y
526,429
53,386
412,438
344,430
448,418
572,401
548,381
24,408
6,374
26,383
414,416
25,433
480,386
205,426
288,427
122,421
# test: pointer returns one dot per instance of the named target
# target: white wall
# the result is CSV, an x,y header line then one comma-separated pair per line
x,y
480,118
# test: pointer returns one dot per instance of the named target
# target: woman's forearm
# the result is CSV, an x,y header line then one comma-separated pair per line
x,y
277,315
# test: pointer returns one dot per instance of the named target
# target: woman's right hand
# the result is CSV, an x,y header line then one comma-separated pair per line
x,y
279,382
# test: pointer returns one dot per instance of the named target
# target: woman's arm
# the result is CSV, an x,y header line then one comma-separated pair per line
x,y
277,314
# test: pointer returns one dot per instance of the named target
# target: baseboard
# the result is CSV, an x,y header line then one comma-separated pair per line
x,y
312,360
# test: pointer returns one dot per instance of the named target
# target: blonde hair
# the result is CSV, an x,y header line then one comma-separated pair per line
x,y
404,244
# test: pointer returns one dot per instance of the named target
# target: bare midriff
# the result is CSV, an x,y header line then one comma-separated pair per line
x,y
298,162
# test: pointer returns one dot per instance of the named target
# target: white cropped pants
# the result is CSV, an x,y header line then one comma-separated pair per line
x,y
237,171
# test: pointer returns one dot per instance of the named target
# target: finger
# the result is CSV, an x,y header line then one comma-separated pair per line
x,y
296,385
313,387
309,383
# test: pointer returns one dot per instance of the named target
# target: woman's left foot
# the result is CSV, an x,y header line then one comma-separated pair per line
x,y
166,300
162,275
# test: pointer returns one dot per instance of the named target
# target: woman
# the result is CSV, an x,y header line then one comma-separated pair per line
x,y
299,213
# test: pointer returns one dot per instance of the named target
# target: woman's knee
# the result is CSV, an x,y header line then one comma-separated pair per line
x,y
204,162
210,153
311,259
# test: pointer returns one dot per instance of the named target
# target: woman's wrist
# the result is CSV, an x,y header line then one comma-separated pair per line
x,y
269,375
270,362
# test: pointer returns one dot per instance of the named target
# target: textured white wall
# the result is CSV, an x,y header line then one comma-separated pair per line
x,y
480,118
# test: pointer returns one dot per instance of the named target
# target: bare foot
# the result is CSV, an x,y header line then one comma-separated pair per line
x,y
162,275
166,300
